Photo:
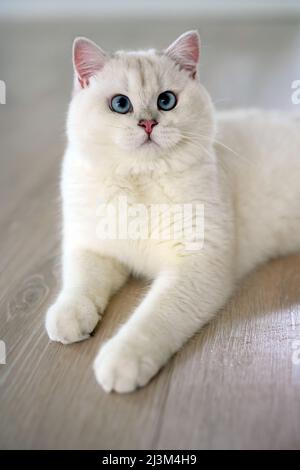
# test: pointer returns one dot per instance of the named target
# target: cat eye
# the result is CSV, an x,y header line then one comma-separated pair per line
x,y
166,101
121,104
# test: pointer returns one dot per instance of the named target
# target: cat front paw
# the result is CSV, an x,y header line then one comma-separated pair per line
x,y
122,367
71,319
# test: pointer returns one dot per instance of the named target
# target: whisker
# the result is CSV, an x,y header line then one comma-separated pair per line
x,y
218,142
116,127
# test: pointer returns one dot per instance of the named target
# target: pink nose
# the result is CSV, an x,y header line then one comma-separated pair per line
x,y
148,125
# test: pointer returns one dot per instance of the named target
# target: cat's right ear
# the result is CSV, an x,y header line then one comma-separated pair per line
x,y
88,59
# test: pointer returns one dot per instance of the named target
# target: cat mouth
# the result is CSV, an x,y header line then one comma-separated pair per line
x,y
148,141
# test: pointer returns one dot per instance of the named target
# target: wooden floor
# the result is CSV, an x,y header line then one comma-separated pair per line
x,y
236,385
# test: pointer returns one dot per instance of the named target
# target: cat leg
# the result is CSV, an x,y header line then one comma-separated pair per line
x,y
176,307
89,280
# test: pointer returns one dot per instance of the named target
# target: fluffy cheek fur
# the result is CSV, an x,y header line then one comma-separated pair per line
x,y
89,122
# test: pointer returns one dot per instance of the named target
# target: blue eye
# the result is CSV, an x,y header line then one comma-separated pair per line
x,y
121,104
166,101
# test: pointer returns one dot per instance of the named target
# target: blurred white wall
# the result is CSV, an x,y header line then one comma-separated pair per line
x,y
144,8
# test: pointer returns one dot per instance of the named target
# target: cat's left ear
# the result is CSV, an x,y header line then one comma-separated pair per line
x,y
88,59
185,51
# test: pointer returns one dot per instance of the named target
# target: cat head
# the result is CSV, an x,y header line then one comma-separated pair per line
x,y
140,110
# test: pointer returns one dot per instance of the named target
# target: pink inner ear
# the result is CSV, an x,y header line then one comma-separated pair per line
x,y
88,59
185,51
192,47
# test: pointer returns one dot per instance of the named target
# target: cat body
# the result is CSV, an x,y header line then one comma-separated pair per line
x,y
241,167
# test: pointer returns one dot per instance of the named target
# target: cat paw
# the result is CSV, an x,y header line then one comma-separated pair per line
x,y
122,367
71,319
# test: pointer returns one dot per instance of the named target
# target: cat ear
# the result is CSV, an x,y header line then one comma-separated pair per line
x,y
185,51
88,59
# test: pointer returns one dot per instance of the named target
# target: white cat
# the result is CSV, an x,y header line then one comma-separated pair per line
x,y
141,126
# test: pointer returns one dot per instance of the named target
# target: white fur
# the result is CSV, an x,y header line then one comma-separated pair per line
x,y
244,166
